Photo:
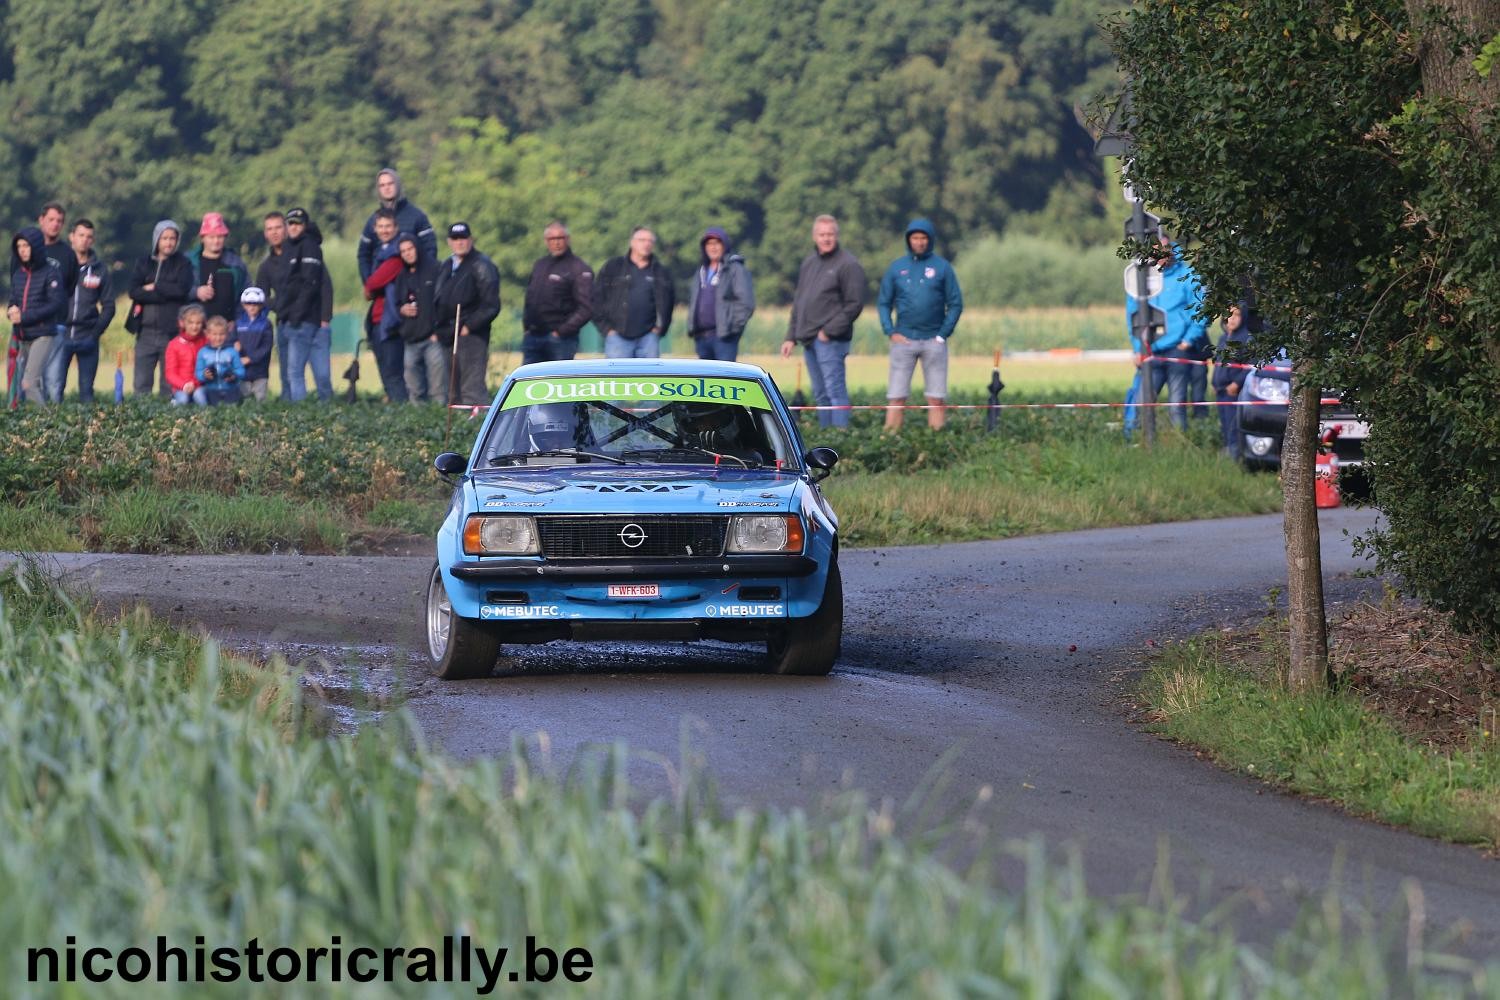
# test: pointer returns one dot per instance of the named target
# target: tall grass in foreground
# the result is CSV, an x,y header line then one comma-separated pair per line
x,y
1326,744
150,786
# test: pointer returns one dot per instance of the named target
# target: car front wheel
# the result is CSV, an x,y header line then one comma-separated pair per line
x,y
809,646
460,648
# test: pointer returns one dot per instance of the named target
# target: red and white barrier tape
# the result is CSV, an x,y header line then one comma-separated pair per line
x,y
475,410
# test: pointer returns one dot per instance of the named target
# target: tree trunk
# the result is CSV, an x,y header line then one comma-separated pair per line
x,y
1448,63
1304,558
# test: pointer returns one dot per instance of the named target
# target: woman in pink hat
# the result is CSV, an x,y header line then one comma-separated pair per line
x,y
219,274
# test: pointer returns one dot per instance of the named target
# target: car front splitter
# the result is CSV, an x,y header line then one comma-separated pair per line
x,y
648,569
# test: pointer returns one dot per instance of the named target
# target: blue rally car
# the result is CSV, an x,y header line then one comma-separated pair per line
x,y
636,499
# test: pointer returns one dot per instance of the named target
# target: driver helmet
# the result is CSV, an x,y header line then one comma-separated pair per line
x,y
550,426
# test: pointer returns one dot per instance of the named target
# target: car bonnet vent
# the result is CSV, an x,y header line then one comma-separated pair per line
x,y
633,487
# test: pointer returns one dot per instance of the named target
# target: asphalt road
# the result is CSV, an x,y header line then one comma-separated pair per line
x,y
955,658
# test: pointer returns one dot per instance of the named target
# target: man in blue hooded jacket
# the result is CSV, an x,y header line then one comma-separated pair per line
x,y
1182,337
922,291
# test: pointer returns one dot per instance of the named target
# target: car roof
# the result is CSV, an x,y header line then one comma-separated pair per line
x,y
642,366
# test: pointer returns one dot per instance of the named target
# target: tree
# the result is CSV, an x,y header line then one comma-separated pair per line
x,y
1342,154
1250,126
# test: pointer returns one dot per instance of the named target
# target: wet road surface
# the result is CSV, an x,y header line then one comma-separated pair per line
x,y
956,662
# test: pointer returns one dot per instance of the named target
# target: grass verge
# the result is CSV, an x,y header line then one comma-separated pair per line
x,y
1224,693
145,794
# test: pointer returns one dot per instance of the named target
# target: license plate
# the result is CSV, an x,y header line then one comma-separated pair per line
x,y
1353,429
634,590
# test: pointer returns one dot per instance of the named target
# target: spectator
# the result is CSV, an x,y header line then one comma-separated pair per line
x,y
425,358
923,290
469,288
38,303
409,219
219,275
304,304
182,357
218,368
91,307
721,299
830,295
559,300
160,286
254,341
633,300
1182,336
270,277
1229,377
381,319
50,222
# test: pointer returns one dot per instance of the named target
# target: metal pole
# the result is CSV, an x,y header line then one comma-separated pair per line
x,y
452,374
992,416
1142,325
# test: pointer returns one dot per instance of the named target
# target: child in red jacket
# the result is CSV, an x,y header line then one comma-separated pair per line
x,y
182,357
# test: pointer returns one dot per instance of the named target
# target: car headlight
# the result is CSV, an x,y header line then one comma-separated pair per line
x,y
765,533
500,535
1273,390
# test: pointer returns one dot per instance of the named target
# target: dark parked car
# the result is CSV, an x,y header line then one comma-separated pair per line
x,y
1264,423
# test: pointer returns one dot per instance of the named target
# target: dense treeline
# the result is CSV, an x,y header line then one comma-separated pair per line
x,y
678,113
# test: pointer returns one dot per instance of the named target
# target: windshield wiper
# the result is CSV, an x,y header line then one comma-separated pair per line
x,y
685,450
557,453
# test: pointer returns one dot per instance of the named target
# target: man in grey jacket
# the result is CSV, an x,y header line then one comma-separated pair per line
x,y
721,299
830,295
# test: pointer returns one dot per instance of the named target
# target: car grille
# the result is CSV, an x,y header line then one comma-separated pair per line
x,y
607,537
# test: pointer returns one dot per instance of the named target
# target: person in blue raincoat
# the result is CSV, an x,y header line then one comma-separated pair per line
x,y
1181,337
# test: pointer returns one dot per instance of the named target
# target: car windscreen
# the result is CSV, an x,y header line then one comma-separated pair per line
x,y
657,420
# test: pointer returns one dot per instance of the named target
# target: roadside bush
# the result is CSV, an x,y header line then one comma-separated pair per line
x,y
1036,271
356,454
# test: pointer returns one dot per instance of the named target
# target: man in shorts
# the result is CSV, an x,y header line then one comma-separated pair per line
x,y
919,306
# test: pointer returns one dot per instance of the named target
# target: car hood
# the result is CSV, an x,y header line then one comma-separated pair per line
x,y
601,490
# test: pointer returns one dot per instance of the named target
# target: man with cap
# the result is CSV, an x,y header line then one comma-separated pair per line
x,y
467,295
921,290
160,285
409,219
304,308
720,300
218,272
559,300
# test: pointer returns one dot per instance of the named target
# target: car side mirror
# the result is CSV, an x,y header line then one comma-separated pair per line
x,y
822,459
450,464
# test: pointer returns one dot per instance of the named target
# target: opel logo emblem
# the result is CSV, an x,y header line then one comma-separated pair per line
x,y
632,536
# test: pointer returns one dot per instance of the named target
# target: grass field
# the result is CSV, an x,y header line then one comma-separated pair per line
x,y
153,786
968,375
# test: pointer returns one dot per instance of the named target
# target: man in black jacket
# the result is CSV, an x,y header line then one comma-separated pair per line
x,y
425,359
559,300
467,294
633,300
91,307
160,285
304,306
50,222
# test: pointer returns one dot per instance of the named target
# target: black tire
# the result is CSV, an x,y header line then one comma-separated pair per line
x,y
810,646
459,649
